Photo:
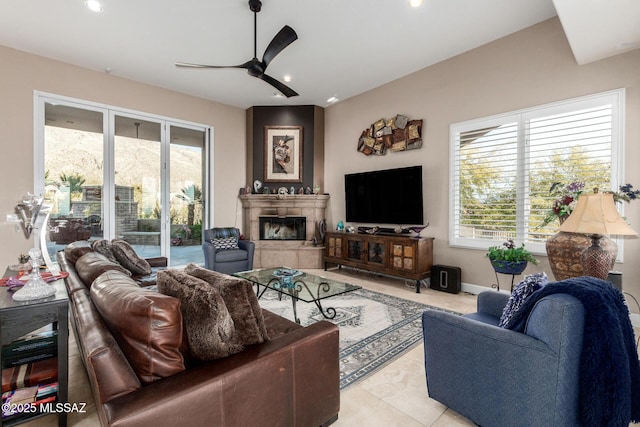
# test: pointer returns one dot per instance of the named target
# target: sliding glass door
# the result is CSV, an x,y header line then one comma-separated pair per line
x,y
108,173
186,188
137,160
72,173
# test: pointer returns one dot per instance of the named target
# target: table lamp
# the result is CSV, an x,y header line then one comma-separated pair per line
x,y
596,215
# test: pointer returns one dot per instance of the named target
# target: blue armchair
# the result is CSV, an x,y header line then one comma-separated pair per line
x,y
224,252
500,377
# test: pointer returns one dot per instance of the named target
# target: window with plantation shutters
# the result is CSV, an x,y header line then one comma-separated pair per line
x,y
504,167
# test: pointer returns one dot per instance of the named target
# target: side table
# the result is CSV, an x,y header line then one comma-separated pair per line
x,y
18,318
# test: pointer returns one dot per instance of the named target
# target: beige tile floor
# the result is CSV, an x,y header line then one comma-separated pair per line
x,y
394,396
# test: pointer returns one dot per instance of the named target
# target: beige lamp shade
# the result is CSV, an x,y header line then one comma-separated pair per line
x,y
597,214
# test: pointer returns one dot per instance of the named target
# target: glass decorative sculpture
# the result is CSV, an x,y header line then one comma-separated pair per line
x,y
36,287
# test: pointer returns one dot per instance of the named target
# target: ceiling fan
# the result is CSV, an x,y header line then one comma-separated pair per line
x,y
255,67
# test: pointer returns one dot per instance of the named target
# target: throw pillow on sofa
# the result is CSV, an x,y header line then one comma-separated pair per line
x,y
241,301
208,325
92,264
129,259
73,251
147,325
104,247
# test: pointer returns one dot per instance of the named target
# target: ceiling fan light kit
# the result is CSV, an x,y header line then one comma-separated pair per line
x,y
254,66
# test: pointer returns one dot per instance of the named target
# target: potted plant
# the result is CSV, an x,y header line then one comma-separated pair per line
x,y
509,258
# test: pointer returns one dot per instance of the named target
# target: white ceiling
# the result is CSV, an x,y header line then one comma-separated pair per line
x,y
344,47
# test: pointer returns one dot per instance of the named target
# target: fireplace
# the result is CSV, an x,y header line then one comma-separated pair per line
x,y
274,209
286,228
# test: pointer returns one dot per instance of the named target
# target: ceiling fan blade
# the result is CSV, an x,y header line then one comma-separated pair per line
x,y
284,89
188,65
284,38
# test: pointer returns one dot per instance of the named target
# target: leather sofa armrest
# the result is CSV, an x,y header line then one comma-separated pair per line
x,y
245,389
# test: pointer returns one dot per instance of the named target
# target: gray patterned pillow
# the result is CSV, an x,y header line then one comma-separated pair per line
x,y
521,292
225,243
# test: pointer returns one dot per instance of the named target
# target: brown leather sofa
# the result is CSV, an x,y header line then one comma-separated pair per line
x,y
290,380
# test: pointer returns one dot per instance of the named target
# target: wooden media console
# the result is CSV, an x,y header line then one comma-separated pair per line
x,y
400,256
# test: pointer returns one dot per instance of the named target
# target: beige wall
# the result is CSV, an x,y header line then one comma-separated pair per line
x,y
21,74
532,67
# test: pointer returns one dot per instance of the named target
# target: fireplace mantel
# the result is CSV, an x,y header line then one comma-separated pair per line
x,y
275,253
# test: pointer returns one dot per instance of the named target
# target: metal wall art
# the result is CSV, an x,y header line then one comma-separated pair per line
x,y
395,134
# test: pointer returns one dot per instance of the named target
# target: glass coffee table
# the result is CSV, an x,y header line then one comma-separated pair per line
x,y
300,286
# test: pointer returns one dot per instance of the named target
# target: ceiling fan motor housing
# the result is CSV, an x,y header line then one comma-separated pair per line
x,y
255,5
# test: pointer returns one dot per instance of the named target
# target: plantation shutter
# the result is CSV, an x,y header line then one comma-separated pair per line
x,y
486,181
503,167
574,146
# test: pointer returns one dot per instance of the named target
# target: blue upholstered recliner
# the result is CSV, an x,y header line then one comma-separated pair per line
x,y
225,252
499,377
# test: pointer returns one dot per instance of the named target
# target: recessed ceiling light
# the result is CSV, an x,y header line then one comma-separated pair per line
x,y
415,3
93,5
332,100
287,78
277,94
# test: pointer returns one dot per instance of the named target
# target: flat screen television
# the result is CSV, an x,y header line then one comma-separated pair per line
x,y
391,196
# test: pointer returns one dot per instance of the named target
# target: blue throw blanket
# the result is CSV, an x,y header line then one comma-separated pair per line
x,y
609,365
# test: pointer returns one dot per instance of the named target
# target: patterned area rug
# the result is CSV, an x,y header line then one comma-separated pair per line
x,y
375,328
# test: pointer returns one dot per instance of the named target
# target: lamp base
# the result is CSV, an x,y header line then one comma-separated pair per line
x,y
596,261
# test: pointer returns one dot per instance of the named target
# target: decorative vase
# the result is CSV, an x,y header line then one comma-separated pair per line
x,y
509,267
564,251
36,287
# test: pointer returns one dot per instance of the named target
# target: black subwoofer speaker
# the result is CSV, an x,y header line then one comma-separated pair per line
x,y
446,278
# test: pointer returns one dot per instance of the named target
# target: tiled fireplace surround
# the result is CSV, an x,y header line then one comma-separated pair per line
x,y
289,253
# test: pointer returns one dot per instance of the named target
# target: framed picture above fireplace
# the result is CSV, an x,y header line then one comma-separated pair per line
x,y
283,154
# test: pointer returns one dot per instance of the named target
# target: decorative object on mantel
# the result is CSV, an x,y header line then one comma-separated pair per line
x,y
596,215
257,186
564,249
395,134
283,154
282,192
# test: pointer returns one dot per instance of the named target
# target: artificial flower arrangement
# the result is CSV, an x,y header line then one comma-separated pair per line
x,y
566,198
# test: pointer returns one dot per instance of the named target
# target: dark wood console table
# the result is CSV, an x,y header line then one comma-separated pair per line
x,y
395,255
20,318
